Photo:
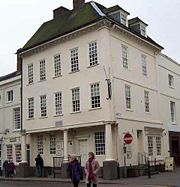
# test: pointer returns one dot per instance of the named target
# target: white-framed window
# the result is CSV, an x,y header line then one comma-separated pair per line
x,y
17,118
57,65
95,96
93,58
52,144
58,103
31,108
171,81
42,72
10,96
74,60
100,143
128,96
150,145
123,19
154,145
173,111
144,65
18,153
158,145
146,101
30,73
43,106
40,144
143,29
76,99
125,56
9,152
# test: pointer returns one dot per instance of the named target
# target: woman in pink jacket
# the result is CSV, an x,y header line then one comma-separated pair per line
x,y
91,170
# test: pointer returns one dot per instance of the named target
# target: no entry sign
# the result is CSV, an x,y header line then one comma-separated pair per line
x,y
128,138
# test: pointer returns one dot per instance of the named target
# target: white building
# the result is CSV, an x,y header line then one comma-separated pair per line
x,y
10,117
169,79
89,80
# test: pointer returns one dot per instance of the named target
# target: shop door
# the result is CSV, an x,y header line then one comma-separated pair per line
x,y
175,152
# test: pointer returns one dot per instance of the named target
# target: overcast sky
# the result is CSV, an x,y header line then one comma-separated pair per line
x,y
20,19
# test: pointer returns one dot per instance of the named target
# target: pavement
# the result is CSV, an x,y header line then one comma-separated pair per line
x,y
163,179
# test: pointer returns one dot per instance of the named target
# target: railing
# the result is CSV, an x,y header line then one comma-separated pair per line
x,y
57,163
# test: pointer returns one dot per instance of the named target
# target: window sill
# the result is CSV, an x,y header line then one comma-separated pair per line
x,y
75,112
129,110
42,80
58,115
95,108
74,72
30,119
9,102
55,77
91,66
16,130
172,87
173,123
30,84
43,117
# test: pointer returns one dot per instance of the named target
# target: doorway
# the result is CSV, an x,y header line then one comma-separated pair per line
x,y
83,150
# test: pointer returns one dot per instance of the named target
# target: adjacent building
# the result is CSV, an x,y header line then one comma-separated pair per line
x,y
10,117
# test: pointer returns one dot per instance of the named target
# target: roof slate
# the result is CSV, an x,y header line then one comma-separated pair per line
x,y
72,21
9,76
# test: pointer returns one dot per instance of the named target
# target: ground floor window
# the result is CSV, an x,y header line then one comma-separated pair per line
x,y
40,144
100,143
154,145
9,152
52,144
18,152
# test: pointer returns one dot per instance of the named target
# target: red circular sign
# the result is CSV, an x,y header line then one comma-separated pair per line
x,y
128,138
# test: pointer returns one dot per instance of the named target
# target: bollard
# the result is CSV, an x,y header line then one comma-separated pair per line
x,y
149,170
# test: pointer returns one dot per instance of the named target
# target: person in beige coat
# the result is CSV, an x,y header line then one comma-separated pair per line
x,y
91,170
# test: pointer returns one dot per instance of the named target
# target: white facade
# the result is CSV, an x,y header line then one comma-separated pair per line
x,y
76,132
10,118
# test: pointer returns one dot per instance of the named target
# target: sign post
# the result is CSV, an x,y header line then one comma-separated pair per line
x,y
127,140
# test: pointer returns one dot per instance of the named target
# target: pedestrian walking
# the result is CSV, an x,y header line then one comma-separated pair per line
x,y
11,168
91,170
75,170
5,168
39,165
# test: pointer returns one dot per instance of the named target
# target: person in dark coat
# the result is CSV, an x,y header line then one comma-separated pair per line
x,y
39,165
75,170
5,168
11,168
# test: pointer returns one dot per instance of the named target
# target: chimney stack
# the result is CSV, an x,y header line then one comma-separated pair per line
x,y
77,4
59,12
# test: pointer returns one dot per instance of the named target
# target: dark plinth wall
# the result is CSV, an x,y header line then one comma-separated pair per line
x,y
110,170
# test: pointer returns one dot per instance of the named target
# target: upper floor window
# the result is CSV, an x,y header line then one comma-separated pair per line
x,y
57,65
52,144
17,118
128,96
76,99
43,106
58,103
95,96
146,101
40,144
100,143
93,53
30,73
18,152
144,65
173,110
31,107
125,56
171,81
10,96
74,60
42,70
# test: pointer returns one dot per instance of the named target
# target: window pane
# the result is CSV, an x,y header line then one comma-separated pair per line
x,y
95,95
74,60
75,99
93,53
58,103
42,70
100,143
31,108
57,65
17,118
30,73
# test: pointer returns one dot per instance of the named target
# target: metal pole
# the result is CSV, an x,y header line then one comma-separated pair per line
x,y
125,167
149,170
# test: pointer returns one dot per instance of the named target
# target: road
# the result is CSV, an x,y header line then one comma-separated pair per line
x,y
59,184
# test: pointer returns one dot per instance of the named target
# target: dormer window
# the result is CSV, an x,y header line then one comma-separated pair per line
x,y
118,14
143,29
